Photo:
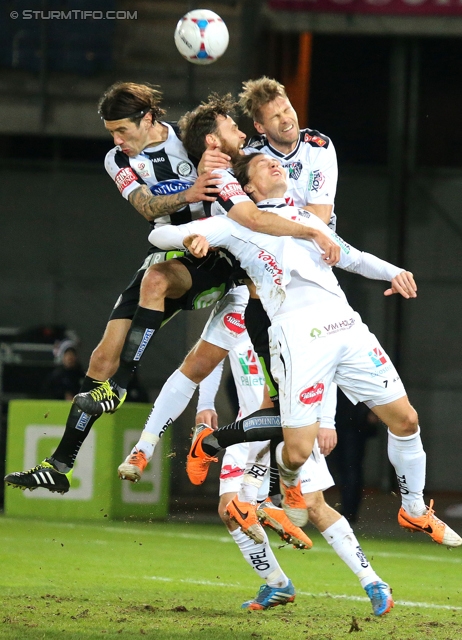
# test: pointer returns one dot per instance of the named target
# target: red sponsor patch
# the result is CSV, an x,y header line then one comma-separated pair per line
x,y
234,322
124,178
316,139
228,471
231,190
313,394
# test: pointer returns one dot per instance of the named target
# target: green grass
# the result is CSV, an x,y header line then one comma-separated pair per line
x,y
174,581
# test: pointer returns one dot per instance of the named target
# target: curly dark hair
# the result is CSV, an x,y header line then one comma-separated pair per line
x,y
196,124
130,100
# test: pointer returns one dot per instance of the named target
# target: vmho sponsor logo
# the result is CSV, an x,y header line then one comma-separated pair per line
x,y
235,323
312,395
271,266
335,327
124,178
231,190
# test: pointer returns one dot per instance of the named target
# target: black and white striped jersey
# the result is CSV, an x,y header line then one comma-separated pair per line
x,y
311,168
166,169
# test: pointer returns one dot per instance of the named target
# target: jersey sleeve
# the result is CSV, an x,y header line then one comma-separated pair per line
x,y
322,182
118,167
231,193
216,230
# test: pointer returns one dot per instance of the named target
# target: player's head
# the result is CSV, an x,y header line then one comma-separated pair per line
x,y
129,111
211,125
266,102
260,176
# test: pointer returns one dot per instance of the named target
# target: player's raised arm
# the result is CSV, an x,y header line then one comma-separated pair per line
x,y
205,188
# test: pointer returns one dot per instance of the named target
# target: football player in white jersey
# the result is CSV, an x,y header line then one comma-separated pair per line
x,y
315,337
172,279
241,469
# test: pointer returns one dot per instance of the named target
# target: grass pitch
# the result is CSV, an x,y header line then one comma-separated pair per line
x,y
174,581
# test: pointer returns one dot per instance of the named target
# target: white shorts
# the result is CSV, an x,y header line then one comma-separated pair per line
x,y
320,344
225,327
315,476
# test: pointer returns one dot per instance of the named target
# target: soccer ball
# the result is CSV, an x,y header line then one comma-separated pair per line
x,y
201,36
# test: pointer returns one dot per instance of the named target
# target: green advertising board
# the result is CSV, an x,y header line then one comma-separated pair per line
x,y
35,428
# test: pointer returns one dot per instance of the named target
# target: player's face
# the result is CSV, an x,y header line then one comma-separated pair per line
x,y
231,139
280,124
267,177
129,136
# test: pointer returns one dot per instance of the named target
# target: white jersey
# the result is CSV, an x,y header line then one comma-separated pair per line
x,y
311,169
271,261
165,168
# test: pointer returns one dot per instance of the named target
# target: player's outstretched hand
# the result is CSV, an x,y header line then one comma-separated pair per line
x,y
404,284
206,188
207,416
213,158
197,245
329,248
327,440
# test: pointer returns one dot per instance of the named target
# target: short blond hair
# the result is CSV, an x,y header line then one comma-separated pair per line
x,y
257,93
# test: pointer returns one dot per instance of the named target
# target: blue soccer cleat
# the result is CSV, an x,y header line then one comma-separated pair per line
x,y
271,597
380,596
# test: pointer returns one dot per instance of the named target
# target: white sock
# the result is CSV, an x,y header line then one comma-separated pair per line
x,y
289,477
343,541
261,558
172,400
255,471
408,458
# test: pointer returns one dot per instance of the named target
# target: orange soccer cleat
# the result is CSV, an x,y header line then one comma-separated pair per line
x,y
276,519
431,525
133,466
245,514
293,503
198,462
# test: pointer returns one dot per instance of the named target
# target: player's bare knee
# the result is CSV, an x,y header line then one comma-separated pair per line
x,y
316,506
408,423
103,363
295,458
154,285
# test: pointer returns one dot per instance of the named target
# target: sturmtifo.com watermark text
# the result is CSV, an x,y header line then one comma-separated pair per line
x,y
74,14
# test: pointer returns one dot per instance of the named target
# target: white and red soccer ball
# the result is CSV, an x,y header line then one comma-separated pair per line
x,y
201,36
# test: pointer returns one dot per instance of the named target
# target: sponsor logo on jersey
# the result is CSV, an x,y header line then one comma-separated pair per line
x,y
335,327
124,178
234,322
271,266
289,201
156,160
167,187
231,190
143,169
316,139
315,332
377,356
312,395
343,245
248,362
184,168
317,179
294,169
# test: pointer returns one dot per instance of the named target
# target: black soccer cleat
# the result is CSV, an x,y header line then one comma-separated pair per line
x,y
44,475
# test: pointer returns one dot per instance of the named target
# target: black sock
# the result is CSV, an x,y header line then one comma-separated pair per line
x,y
274,491
144,324
263,424
78,426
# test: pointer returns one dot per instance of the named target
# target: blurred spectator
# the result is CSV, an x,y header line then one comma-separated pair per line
x,y
66,379
355,424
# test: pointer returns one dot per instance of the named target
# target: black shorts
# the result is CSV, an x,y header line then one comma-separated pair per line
x,y
211,279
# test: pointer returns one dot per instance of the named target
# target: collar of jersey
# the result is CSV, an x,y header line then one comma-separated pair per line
x,y
274,203
279,154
